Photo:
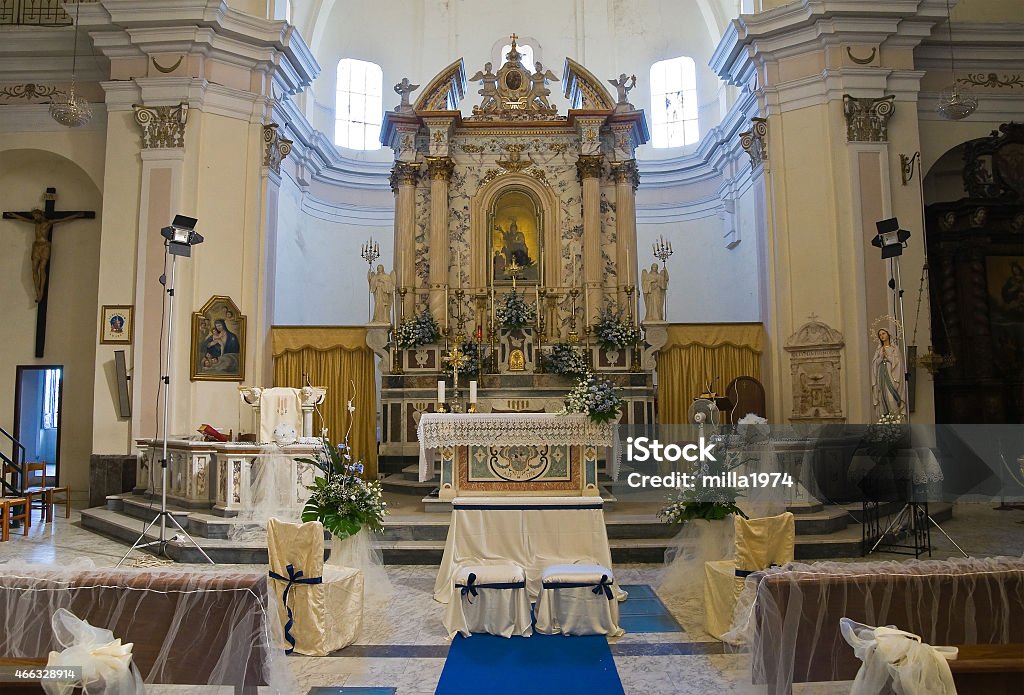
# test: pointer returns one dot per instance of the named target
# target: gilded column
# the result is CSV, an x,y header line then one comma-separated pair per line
x,y
588,168
403,183
440,171
627,178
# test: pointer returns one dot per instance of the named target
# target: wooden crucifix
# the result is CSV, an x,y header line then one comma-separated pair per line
x,y
44,220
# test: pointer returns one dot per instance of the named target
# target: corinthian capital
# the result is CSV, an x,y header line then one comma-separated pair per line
x,y
440,168
404,174
275,147
588,166
626,171
162,126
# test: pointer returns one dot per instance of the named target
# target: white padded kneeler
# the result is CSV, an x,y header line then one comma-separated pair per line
x,y
578,600
489,599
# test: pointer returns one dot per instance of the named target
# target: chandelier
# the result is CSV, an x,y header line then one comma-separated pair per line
x,y
70,108
955,102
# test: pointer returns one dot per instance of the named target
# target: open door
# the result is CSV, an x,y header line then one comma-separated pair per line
x,y
37,417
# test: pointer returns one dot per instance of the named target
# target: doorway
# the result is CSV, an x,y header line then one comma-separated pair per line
x,y
37,417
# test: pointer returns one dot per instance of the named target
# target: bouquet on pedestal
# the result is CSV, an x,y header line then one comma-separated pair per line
x,y
416,330
596,397
613,332
566,359
513,311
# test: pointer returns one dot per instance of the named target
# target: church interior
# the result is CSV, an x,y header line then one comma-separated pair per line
x,y
636,346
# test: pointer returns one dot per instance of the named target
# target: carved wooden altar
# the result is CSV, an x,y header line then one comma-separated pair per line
x,y
516,197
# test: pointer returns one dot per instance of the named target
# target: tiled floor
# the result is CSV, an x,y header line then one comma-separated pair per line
x,y
403,643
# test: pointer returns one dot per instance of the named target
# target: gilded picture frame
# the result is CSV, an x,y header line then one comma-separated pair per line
x,y
218,341
117,324
516,226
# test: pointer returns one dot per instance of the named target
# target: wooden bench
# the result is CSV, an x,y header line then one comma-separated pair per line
x,y
907,599
984,669
227,633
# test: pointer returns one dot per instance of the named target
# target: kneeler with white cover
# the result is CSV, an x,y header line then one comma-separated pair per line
x,y
489,599
578,600
760,543
321,606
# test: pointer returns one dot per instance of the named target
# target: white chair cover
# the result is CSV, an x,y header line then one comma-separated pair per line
x,y
914,668
760,543
578,600
489,599
325,602
279,406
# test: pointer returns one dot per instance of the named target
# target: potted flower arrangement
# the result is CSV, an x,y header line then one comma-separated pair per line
x,y
613,331
341,500
416,330
513,311
712,502
596,397
472,359
566,359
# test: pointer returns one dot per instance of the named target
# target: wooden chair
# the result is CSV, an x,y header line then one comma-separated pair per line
x,y
8,514
37,495
51,500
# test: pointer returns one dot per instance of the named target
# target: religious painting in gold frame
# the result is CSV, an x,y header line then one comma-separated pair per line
x,y
516,224
116,325
218,341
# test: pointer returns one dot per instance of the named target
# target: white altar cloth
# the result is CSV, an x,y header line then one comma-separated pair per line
x,y
503,429
533,532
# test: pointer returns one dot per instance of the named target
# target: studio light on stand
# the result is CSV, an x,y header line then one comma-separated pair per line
x,y
180,236
891,240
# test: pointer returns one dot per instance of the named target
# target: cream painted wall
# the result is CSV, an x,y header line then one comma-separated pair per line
x,y
73,311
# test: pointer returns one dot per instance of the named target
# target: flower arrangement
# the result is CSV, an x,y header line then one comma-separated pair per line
x,y
613,331
416,330
888,429
513,311
596,397
472,359
341,500
566,359
710,503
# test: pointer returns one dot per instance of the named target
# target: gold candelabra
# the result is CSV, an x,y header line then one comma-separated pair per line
x,y
574,337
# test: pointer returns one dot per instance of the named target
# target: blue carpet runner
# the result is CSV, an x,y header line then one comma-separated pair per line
x,y
540,665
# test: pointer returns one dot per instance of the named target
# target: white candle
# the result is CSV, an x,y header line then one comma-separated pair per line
x,y
472,392
440,391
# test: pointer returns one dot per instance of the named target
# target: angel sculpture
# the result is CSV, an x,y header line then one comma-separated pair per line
x,y
489,81
654,284
539,91
624,85
404,89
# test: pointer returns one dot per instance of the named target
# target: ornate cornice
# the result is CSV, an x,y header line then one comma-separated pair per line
x,y
162,126
440,168
867,120
404,174
275,147
755,141
589,166
626,172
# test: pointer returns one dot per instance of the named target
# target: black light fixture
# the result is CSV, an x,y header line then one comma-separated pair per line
x,y
890,238
181,235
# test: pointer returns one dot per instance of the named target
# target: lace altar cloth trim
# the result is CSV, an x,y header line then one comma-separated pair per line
x,y
441,429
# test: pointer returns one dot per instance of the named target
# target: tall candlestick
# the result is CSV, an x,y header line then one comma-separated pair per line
x,y
440,391
458,267
472,392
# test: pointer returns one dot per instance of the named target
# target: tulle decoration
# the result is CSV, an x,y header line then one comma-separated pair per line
x,y
190,628
788,617
697,542
357,551
276,493
106,663
913,667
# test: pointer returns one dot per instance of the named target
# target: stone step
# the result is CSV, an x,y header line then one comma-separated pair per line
x,y
398,482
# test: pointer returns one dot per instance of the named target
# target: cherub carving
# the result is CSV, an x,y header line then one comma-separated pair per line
x,y
404,89
624,85
539,91
489,81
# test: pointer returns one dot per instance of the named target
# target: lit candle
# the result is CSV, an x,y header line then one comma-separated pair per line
x,y
440,391
472,392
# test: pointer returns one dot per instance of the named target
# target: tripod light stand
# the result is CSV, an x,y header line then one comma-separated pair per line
x,y
180,238
892,240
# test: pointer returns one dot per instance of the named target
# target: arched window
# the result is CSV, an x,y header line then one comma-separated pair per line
x,y
359,109
674,103
525,51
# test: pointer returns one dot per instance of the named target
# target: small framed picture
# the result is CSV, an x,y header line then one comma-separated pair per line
x,y
116,325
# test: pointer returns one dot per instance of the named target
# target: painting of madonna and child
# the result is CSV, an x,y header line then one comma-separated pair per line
x,y
515,237
218,342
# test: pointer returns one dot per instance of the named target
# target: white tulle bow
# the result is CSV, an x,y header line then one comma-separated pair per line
x,y
915,668
106,663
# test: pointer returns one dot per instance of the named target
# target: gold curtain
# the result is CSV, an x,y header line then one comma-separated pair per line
x,y
695,354
335,358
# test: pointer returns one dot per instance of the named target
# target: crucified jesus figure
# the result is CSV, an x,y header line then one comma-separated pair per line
x,y
41,245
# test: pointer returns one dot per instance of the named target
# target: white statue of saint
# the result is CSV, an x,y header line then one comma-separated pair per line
x,y
654,284
888,378
382,287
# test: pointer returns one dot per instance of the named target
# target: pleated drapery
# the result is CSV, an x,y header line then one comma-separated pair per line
x,y
336,358
697,353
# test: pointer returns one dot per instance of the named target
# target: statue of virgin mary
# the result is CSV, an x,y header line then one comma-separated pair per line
x,y
888,378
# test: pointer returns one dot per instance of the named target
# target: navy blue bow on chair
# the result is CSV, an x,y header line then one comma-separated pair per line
x,y
294,577
470,587
605,586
